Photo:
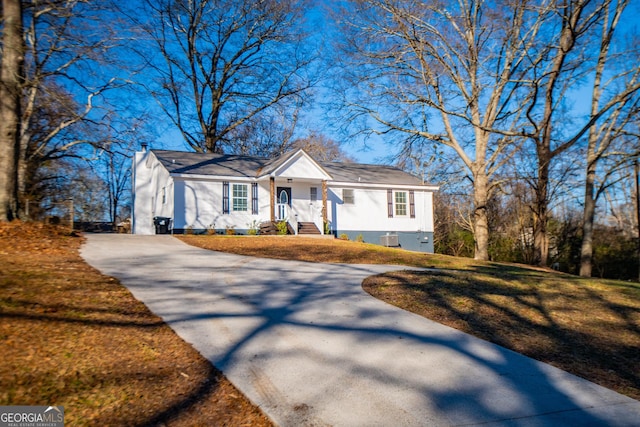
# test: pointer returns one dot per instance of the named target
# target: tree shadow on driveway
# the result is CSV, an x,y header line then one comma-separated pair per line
x,y
310,347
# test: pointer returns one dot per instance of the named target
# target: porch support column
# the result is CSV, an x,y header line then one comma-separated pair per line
x,y
324,205
272,192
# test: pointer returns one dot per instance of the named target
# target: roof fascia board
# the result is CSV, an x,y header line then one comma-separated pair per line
x,y
198,177
425,187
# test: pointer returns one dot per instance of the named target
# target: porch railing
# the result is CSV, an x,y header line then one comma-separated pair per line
x,y
285,213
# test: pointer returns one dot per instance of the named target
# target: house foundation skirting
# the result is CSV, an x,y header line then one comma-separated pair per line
x,y
419,241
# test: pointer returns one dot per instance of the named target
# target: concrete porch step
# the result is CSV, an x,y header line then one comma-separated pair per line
x,y
308,228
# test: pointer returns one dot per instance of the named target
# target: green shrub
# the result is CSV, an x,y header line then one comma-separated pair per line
x,y
327,227
281,227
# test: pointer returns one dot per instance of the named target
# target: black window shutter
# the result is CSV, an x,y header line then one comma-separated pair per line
x,y
390,203
412,204
254,198
225,197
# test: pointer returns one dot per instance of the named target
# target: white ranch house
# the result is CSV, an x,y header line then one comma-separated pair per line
x,y
202,192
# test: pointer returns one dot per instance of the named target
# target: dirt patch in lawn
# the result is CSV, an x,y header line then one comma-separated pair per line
x,y
73,337
588,327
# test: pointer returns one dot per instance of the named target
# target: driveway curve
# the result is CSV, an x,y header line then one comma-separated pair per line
x,y
311,348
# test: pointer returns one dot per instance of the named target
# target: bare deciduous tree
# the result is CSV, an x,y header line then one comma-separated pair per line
x,y
565,57
322,148
447,72
606,142
117,180
483,78
10,98
267,135
219,64
67,44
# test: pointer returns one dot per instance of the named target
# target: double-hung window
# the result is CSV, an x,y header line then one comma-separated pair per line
x,y
401,203
235,197
240,198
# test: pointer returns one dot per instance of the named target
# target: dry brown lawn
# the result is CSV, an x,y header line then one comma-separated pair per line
x,y
73,337
588,327
321,249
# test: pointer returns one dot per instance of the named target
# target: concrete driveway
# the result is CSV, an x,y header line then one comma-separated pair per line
x,y
310,347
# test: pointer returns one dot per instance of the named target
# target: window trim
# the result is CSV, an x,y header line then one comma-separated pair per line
x,y
397,204
410,203
348,199
239,197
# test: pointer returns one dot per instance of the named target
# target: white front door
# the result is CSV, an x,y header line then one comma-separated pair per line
x,y
284,202
315,205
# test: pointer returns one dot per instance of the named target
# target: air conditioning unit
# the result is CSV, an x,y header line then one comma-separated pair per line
x,y
390,240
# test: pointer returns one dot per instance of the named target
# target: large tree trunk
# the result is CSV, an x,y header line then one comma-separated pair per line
x,y
212,144
480,220
586,250
540,237
10,89
541,215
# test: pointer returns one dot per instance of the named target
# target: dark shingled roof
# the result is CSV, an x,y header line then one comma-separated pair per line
x,y
369,174
181,162
211,164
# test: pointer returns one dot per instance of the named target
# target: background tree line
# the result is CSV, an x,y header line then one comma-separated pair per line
x,y
524,111
534,101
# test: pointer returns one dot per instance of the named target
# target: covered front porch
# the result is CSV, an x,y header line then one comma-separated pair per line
x,y
298,196
301,205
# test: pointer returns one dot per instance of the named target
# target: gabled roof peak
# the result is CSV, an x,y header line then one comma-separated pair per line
x,y
281,164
